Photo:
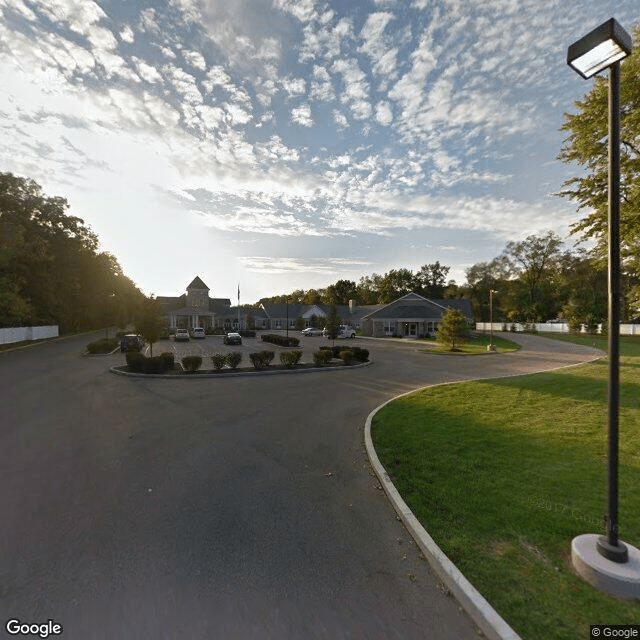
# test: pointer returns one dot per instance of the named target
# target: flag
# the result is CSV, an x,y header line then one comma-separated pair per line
x,y
238,293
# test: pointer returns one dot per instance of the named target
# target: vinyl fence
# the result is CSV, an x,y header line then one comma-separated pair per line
x,y
557,327
19,334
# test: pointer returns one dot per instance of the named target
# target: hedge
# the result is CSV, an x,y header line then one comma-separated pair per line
x,y
106,345
139,363
359,354
282,341
192,363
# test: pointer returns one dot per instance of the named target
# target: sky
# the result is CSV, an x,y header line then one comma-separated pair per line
x,y
286,144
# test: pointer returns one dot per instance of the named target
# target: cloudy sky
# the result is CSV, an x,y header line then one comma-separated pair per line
x,y
285,144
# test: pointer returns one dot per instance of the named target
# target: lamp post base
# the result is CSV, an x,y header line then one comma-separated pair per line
x,y
620,579
619,553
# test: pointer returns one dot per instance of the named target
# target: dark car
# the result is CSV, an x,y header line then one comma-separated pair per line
x,y
131,342
232,338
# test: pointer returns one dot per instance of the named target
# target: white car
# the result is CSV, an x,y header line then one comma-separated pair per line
x,y
343,332
181,335
197,332
311,331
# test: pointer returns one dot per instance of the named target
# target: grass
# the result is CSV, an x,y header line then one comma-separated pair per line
x,y
477,344
629,345
504,473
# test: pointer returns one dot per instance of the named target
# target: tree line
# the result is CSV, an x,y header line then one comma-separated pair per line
x,y
51,271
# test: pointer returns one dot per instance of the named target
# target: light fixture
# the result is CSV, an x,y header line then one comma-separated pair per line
x,y
599,49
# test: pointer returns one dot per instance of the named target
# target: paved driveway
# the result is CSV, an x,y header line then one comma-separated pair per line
x,y
215,508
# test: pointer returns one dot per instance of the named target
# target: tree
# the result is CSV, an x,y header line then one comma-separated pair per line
x,y
340,292
333,323
453,329
432,279
150,322
50,270
586,145
534,260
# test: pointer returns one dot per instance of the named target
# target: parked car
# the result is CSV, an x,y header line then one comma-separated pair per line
x,y
343,332
131,342
197,332
181,335
232,338
311,331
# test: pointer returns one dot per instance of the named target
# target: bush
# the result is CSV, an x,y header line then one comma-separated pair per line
x,y
138,363
106,345
191,363
282,341
169,359
234,358
262,359
290,358
359,354
218,360
346,356
322,357
135,361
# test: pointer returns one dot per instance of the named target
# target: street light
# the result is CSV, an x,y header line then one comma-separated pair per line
x,y
600,49
491,347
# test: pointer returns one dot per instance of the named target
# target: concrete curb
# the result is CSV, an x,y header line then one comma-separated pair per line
x,y
480,611
230,374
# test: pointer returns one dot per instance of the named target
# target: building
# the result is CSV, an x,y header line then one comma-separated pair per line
x,y
196,308
411,316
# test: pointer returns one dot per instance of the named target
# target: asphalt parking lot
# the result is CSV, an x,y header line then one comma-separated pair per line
x,y
205,347
242,507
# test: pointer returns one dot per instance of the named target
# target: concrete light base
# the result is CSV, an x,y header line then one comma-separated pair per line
x,y
618,579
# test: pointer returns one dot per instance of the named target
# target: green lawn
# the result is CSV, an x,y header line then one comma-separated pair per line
x,y
477,344
504,473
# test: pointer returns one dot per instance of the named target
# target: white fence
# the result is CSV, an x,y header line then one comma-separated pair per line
x,y
557,327
19,334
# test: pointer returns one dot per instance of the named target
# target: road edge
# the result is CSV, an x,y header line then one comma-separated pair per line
x,y
480,611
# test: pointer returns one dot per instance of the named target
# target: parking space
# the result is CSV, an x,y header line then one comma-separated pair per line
x,y
205,347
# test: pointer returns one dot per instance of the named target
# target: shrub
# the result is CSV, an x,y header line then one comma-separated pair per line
x,y
322,357
135,361
106,345
290,358
138,363
256,360
346,356
169,359
234,358
191,363
218,360
262,359
282,341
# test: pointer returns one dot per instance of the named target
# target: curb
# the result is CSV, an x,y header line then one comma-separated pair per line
x,y
480,611
118,370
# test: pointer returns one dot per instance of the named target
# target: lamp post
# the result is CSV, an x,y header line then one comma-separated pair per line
x,y
491,347
603,48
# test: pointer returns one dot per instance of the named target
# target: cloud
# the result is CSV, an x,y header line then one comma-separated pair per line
x,y
384,115
285,264
302,115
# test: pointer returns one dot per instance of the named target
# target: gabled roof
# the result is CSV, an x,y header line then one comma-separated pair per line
x,y
413,305
196,283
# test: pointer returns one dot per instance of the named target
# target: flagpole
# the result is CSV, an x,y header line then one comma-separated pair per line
x,y
238,306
